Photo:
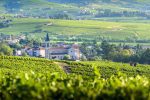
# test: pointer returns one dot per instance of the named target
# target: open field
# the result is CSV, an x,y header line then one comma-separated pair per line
x,y
89,28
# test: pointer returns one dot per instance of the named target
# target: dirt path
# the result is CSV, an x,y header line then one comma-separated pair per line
x,y
64,66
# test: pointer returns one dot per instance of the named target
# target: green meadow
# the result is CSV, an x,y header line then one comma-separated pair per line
x,y
113,30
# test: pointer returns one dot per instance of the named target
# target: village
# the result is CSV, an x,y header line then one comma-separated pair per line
x,y
59,51
63,50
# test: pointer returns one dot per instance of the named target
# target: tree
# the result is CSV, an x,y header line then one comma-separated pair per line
x,y
5,49
108,50
16,46
145,57
66,57
24,54
3,25
83,58
123,55
95,58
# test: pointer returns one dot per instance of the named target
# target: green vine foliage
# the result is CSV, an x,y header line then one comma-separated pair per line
x,y
40,79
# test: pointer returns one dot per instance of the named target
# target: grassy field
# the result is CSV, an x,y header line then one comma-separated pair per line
x,y
113,30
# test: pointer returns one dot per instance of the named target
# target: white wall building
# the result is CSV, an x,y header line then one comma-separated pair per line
x,y
57,52
61,51
35,52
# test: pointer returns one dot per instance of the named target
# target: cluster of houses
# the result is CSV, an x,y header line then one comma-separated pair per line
x,y
47,50
11,39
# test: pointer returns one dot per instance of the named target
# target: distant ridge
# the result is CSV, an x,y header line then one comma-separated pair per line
x,y
71,7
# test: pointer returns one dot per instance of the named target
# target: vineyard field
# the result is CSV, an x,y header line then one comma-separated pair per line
x,y
14,65
107,68
41,79
84,28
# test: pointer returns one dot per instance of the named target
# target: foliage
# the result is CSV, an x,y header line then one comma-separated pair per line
x,y
117,53
145,57
66,57
39,86
34,78
5,49
107,69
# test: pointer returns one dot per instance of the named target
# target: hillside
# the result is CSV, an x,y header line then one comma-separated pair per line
x,y
107,69
40,79
83,29
14,65
33,7
73,8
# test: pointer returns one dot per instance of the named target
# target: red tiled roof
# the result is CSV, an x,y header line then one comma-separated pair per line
x,y
57,48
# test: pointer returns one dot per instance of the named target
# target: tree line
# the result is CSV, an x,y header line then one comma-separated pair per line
x,y
117,53
124,13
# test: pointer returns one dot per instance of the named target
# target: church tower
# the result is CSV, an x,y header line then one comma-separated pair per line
x,y
47,46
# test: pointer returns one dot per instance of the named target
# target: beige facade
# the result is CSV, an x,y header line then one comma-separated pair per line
x,y
59,53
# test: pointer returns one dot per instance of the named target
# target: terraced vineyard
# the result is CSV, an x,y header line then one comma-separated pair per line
x,y
34,78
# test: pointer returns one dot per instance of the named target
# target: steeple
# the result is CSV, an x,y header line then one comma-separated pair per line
x,y
47,46
47,38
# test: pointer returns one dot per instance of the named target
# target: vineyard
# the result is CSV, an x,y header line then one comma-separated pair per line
x,y
13,65
107,69
41,79
84,28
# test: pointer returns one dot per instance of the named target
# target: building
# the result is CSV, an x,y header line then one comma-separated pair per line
x,y
60,51
17,52
38,52
49,51
11,39
35,52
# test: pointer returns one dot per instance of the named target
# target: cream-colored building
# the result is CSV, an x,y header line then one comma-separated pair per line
x,y
60,52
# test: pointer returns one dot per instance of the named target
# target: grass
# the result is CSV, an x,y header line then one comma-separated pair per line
x,y
113,30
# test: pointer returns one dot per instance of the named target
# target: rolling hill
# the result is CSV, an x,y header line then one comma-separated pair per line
x,y
70,7
89,29
12,65
106,26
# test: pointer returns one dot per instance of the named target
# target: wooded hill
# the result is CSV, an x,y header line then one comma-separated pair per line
x,y
70,7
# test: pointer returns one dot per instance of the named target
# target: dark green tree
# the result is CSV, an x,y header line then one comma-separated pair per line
x,y
107,50
145,57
